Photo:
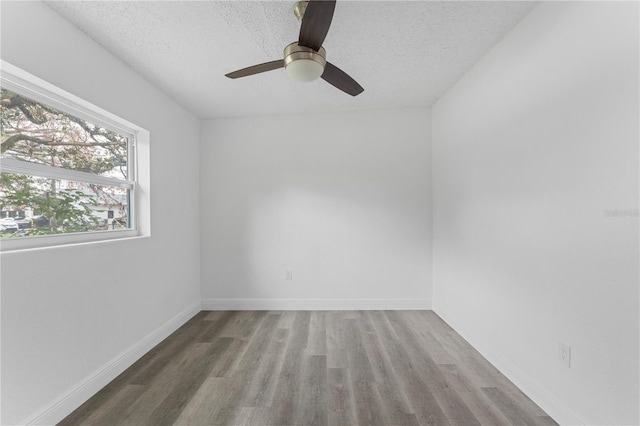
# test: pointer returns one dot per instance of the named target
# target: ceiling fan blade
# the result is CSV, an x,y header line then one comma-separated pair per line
x,y
315,23
340,79
256,69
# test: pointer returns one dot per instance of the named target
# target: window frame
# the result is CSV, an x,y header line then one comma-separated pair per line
x,y
23,83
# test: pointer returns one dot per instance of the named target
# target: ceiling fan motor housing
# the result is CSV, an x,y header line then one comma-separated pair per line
x,y
303,63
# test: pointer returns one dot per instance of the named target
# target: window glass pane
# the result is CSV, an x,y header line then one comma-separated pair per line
x,y
31,205
37,133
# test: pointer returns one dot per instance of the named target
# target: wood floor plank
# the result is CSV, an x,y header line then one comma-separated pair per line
x,y
464,355
156,390
449,401
507,407
519,399
317,344
368,402
242,324
252,416
428,339
423,403
505,401
311,368
341,406
300,330
260,389
224,367
218,326
336,342
396,405
186,386
287,391
473,397
358,359
215,403
285,396
390,340
483,410
419,393
213,315
249,361
145,370
287,319
312,400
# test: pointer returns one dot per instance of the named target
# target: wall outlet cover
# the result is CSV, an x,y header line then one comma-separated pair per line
x,y
564,354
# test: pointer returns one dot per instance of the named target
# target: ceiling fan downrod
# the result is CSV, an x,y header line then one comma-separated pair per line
x,y
300,8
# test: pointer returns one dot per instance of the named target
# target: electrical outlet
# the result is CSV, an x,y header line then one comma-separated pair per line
x,y
564,355
289,275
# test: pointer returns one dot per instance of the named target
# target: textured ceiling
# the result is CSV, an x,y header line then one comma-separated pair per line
x,y
404,54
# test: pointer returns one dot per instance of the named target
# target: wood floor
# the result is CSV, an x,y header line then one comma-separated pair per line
x,y
311,368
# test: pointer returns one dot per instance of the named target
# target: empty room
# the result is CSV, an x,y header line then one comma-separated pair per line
x,y
320,213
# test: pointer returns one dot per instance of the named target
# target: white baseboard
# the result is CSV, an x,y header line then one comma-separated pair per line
x,y
526,384
314,304
62,406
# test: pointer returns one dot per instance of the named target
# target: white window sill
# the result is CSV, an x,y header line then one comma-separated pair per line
x,y
41,242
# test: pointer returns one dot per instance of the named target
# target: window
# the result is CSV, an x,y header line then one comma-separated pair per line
x,y
67,168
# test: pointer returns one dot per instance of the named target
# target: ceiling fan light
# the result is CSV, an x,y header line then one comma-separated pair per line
x,y
305,70
303,63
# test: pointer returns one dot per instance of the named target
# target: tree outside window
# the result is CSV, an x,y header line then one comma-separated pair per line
x,y
67,174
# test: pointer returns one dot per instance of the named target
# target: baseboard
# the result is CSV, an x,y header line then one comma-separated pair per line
x,y
519,378
86,388
314,304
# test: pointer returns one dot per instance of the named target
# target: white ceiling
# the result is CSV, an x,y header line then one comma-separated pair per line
x,y
404,54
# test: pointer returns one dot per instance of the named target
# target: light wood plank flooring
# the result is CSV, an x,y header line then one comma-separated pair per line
x,y
311,368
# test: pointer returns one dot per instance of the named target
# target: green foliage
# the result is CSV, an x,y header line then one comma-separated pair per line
x,y
67,210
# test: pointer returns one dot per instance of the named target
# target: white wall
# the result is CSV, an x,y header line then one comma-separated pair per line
x,y
67,312
531,149
341,199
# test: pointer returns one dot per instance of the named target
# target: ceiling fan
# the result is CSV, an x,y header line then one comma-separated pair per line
x,y
306,59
